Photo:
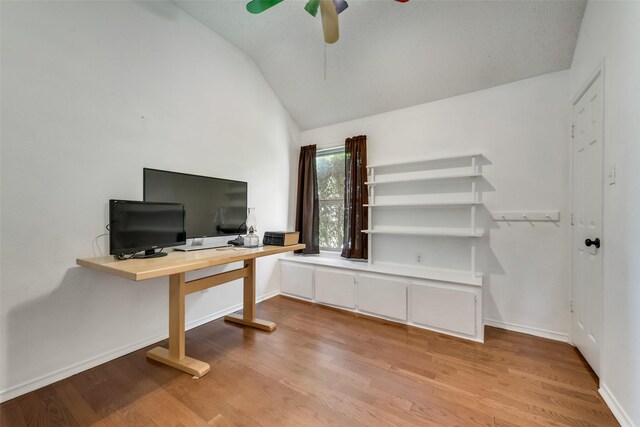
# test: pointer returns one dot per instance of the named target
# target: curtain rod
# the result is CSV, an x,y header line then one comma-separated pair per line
x,y
330,147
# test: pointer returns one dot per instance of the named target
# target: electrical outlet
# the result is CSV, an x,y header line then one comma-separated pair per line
x,y
612,174
418,257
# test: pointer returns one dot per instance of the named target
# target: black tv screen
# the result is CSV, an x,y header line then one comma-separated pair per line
x,y
214,206
143,226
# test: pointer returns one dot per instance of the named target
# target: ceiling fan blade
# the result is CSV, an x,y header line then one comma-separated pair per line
x,y
259,6
340,5
329,21
312,7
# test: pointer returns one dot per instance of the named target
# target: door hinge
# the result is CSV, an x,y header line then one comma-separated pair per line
x,y
572,218
572,130
571,305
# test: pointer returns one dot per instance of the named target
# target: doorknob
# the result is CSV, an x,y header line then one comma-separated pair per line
x,y
595,242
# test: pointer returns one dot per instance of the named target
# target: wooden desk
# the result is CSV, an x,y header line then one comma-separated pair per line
x,y
175,265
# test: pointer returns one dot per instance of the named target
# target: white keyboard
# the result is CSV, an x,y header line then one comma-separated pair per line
x,y
188,248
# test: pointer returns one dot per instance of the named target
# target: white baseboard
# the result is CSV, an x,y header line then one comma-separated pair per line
x,y
44,380
543,333
60,374
612,403
297,297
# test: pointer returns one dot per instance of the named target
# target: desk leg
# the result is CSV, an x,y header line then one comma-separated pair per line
x,y
248,317
175,356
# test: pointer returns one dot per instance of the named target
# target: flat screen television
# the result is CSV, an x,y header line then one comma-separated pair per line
x,y
144,226
214,206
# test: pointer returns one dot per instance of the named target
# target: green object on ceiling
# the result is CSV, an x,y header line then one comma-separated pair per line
x,y
312,7
259,6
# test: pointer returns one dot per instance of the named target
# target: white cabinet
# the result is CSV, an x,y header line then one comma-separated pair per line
x,y
446,307
335,287
382,296
453,308
296,279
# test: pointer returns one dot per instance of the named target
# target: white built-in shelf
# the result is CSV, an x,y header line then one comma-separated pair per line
x,y
425,178
457,172
427,231
455,276
435,159
421,204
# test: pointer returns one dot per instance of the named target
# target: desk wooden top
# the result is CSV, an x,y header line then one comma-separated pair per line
x,y
179,262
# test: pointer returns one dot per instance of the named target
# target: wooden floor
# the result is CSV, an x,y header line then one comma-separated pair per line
x,y
326,367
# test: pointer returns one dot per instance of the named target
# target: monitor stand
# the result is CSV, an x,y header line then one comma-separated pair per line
x,y
150,253
197,241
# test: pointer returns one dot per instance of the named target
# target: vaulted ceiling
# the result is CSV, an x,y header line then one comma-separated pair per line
x,y
393,55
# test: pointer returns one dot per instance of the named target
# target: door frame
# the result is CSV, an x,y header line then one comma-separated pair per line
x,y
599,72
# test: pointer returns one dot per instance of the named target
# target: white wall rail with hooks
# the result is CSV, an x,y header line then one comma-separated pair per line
x,y
527,216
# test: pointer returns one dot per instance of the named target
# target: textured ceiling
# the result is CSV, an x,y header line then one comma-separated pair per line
x,y
392,55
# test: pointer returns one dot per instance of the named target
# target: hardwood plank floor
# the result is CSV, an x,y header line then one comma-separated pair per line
x,y
328,367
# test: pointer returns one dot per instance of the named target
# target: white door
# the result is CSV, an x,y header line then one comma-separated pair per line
x,y
587,240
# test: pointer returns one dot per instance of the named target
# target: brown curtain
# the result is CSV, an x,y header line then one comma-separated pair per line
x,y
307,208
356,216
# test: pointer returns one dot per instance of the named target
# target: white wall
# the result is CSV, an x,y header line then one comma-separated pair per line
x,y
92,92
522,128
609,31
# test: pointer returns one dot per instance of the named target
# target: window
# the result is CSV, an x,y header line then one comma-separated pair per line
x,y
330,170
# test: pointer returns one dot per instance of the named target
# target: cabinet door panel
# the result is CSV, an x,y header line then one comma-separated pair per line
x,y
335,287
441,307
296,280
382,296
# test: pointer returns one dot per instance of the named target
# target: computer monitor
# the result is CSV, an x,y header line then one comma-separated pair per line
x,y
214,206
136,226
